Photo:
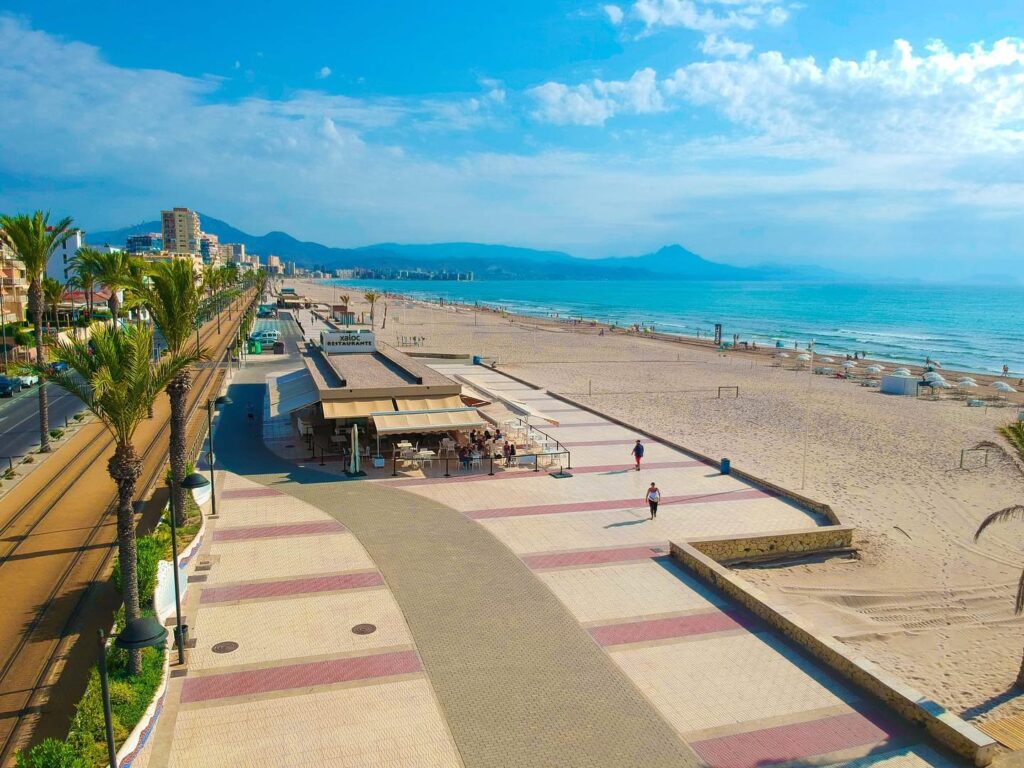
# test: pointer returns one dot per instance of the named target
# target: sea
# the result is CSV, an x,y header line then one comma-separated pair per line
x,y
971,328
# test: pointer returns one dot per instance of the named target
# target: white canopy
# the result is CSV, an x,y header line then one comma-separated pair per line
x,y
292,392
444,420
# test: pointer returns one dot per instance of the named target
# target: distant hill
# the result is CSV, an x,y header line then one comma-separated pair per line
x,y
494,262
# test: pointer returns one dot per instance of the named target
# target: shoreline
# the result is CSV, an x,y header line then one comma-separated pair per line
x,y
593,326
916,365
924,601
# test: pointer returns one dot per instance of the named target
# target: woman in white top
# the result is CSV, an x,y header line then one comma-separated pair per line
x,y
653,497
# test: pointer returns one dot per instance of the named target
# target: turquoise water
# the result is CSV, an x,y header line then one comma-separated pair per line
x,y
977,328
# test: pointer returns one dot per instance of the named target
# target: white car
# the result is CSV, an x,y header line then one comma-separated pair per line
x,y
28,379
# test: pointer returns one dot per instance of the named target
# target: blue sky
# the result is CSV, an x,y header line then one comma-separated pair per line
x,y
872,137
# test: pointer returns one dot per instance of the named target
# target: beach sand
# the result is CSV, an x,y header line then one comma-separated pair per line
x,y
923,600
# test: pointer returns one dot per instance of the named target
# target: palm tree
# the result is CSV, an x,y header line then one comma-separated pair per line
x,y
174,301
34,240
1015,434
114,377
116,271
345,299
53,294
371,296
84,265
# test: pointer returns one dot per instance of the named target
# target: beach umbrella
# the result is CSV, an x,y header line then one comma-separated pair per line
x,y
1002,386
849,364
781,354
940,384
966,384
932,376
902,372
826,359
353,464
803,356
874,369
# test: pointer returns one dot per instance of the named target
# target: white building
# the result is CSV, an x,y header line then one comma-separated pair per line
x,y
59,265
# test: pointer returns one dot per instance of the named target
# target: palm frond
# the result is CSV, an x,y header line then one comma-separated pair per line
x,y
1015,512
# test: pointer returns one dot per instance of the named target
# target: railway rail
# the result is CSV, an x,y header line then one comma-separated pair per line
x,y
51,558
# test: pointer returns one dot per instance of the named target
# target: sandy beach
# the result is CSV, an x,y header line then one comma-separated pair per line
x,y
922,600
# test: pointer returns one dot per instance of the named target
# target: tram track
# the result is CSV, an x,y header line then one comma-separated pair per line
x,y
42,642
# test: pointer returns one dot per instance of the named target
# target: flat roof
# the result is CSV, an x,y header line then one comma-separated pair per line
x,y
385,371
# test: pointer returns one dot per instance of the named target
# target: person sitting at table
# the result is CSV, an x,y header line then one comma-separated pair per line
x,y
472,436
464,457
487,434
497,434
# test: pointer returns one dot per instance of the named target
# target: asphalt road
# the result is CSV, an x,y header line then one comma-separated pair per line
x,y
19,419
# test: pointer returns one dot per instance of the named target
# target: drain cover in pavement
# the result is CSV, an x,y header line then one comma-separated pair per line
x,y
364,629
226,647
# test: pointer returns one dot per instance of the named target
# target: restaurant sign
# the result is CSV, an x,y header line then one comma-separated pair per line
x,y
346,342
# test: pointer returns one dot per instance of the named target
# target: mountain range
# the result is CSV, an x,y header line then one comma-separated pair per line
x,y
488,262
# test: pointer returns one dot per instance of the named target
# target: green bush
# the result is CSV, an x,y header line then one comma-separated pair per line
x,y
53,754
151,550
56,434
25,338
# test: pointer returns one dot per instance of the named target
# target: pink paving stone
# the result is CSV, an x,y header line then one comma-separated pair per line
x,y
660,629
249,493
526,474
278,531
591,506
292,676
303,586
795,742
595,556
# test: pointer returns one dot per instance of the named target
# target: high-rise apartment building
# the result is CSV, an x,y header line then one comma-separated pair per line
x,y
181,231
237,252
59,266
209,247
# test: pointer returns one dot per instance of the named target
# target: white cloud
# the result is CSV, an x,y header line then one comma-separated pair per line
x,y
323,73
709,15
721,46
595,102
614,13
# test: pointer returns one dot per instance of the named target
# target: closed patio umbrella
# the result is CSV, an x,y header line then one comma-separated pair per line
x,y
353,464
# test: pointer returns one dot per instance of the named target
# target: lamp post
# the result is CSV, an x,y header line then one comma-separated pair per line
x,y
140,633
210,456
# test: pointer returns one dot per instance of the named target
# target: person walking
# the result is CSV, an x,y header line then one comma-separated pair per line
x,y
638,453
653,497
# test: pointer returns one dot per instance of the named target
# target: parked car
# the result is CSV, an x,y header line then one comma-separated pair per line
x,y
9,387
58,367
28,379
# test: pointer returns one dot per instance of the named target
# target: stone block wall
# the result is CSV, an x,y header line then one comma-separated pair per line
x,y
728,549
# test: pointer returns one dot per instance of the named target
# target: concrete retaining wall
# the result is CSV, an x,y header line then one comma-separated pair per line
x,y
729,549
943,726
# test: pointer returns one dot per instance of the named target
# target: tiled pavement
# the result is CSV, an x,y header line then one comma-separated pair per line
x,y
544,613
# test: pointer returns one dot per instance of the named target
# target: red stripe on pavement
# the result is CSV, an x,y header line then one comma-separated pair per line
x,y
276,531
592,506
503,474
229,684
594,556
304,586
660,629
249,493
794,742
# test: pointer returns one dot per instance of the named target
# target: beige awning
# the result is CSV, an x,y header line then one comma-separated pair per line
x,y
429,403
428,421
292,392
356,409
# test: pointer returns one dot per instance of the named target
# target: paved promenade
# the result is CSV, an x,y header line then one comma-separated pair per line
x,y
519,621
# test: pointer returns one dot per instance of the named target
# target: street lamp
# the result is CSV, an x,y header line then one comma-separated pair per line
x,y
140,633
210,456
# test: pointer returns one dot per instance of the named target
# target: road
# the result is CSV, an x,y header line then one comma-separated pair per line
x,y
19,419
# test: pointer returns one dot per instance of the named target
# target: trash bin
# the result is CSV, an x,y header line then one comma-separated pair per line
x,y
476,360
726,466
255,348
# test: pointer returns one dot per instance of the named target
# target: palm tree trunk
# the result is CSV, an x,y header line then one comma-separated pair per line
x,y
35,300
114,306
177,391
125,467
1020,674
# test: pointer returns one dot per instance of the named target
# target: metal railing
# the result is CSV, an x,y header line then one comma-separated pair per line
x,y
502,462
